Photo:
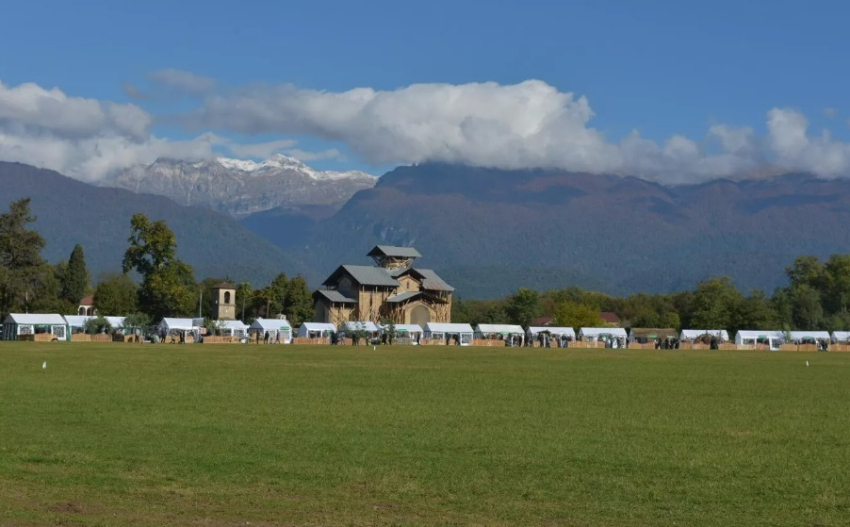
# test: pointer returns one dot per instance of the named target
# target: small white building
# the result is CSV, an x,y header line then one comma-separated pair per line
x,y
360,325
689,335
461,334
316,330
19,324
167,325
279,329
749,338
591,334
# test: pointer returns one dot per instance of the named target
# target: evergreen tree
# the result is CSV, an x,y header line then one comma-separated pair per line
x,y
116,295
23,273
299,301
75,280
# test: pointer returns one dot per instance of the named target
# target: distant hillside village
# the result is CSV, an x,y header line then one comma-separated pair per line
x,y
393,301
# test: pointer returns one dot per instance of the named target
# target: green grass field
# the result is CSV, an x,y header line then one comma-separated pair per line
x,y
238,435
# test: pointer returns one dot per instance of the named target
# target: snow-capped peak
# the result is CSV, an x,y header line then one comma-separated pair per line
x,y
280,161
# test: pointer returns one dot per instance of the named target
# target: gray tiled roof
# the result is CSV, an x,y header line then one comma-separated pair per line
x,y
433,282
335,296
367,275
407,295
396,252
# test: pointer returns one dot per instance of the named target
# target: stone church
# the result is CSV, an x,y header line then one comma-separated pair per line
x,y
390,290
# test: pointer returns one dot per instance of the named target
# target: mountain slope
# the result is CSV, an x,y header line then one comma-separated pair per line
x,y
239,187
71,212
492,231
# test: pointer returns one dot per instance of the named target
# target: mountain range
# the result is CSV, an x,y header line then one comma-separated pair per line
x,y
486,231
71,212
240,187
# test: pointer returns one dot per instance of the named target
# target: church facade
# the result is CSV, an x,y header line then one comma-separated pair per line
x,y
393,289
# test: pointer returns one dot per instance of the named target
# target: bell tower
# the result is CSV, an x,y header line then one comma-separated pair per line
x,y
224,296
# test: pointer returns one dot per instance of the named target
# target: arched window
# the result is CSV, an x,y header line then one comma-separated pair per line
x,y
227,297
82,311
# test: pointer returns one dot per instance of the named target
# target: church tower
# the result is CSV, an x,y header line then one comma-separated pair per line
x,y
224,296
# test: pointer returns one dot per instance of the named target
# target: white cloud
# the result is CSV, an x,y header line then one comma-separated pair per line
x,y
527,125
183,81
261,150
830,112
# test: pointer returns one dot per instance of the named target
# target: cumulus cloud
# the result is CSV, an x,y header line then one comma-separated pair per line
x,y
526,125
183,81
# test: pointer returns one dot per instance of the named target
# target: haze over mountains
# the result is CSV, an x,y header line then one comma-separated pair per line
x,y
488,231
240,187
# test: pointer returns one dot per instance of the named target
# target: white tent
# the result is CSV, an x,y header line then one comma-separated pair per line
x,y
499,329
364,325
691,334
414,332
751,337
17,324
840,336
595,333
316,330
438,330
179,324
233,328
277,328
559,331
79,321
802,336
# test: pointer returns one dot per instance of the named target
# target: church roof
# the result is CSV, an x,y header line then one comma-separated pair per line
x,y
432,281
364,275
407,295
224,285
394,252
335,296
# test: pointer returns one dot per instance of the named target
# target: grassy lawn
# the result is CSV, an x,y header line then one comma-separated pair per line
x,y
237,435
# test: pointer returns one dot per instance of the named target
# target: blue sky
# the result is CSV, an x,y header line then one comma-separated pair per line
x,y
663,68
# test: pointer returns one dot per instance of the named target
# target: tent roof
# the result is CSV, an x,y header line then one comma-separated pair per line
x,y
179,323
798,335
410,328
270,323
499,328
36,318
694,333
366,325
440,327
534,330
233,324
593,332
77,321
318,326
757,333
394,252
659,332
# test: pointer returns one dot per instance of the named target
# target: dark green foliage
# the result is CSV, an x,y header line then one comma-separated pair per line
x,y
75,280
25,280
116,295
299,301
97,325
168,286
523,307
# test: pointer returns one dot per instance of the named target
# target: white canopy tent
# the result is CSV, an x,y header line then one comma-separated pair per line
x,y
440,330
773,338
808,336
18,324
409,329
179,324
557,331
233,328
316,330
840,336
499,329
595,333
277,328
691,334
79,321
360,325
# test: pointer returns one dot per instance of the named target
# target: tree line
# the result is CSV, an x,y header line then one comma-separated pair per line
x,y
816,298
153,282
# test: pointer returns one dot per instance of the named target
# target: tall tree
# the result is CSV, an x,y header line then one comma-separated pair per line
x,y
168,284
575,315
524,306
116,295
715,303
22,270
75,280
299,301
